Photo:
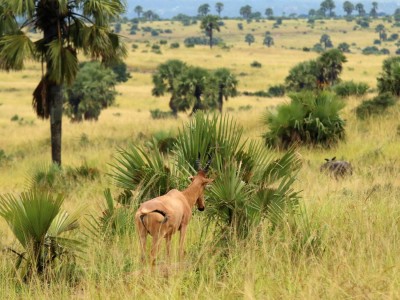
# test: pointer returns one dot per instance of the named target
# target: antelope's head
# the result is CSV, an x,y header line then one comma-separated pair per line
x,y
202,181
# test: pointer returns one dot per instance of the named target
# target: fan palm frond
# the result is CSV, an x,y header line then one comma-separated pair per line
x,y
8,23
23,8
14,48
64,65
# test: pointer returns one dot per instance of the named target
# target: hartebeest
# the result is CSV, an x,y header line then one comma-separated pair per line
x,y
162,216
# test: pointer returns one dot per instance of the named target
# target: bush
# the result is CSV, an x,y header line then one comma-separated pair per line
x,y
351,88
158,114
376,106
256,64
370,50
377,42
277,90
92,91
389,79
310,118
174,45
257,93
163,141
201,41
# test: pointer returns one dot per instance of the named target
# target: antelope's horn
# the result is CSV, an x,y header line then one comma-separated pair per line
x,y
208,163
198,166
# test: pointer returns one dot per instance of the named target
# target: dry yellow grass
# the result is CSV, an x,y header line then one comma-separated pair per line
x,y
359,216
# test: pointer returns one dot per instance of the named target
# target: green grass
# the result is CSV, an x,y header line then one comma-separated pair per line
x,y
357,219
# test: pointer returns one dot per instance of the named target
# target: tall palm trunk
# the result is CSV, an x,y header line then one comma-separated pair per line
x,y
220,99
211,36
54,96
197,104
56,108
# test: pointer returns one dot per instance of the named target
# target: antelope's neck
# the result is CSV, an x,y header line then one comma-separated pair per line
x,y
192,193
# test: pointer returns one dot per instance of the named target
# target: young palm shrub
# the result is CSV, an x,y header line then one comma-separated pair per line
x,y
41,226
310,118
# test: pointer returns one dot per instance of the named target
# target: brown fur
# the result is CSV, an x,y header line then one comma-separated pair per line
x,y
163,216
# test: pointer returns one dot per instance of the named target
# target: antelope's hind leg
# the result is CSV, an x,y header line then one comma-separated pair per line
x,y
142,232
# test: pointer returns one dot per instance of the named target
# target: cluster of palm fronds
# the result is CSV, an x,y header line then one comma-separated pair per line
x,y
310,118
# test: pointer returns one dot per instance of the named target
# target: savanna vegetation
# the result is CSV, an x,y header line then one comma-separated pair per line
x,y
274,227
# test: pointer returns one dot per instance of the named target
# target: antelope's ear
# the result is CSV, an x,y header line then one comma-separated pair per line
x,y
333,158
191,178
327,159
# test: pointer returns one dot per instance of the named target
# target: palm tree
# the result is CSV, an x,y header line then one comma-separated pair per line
x,y
227,85
138,10
328,5
269,12
380,29
245,11
209,24
165,81
203,10
268,40
249,39
360,8
331,63
374,10
219,6
348,7
39,224
149,15
191,86
326,40
67,26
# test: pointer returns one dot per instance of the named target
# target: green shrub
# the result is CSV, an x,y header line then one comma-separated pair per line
x,y
194,40
163,141
389,79
351,88
174,45
310,118
256,64
159,114
277,90
370,50
376,106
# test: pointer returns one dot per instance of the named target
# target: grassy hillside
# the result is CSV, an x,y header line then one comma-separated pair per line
x,y
356,219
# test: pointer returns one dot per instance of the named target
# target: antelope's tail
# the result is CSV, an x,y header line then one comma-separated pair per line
x,y
145,213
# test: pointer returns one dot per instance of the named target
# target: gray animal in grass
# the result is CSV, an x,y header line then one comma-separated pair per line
x,y
337,168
